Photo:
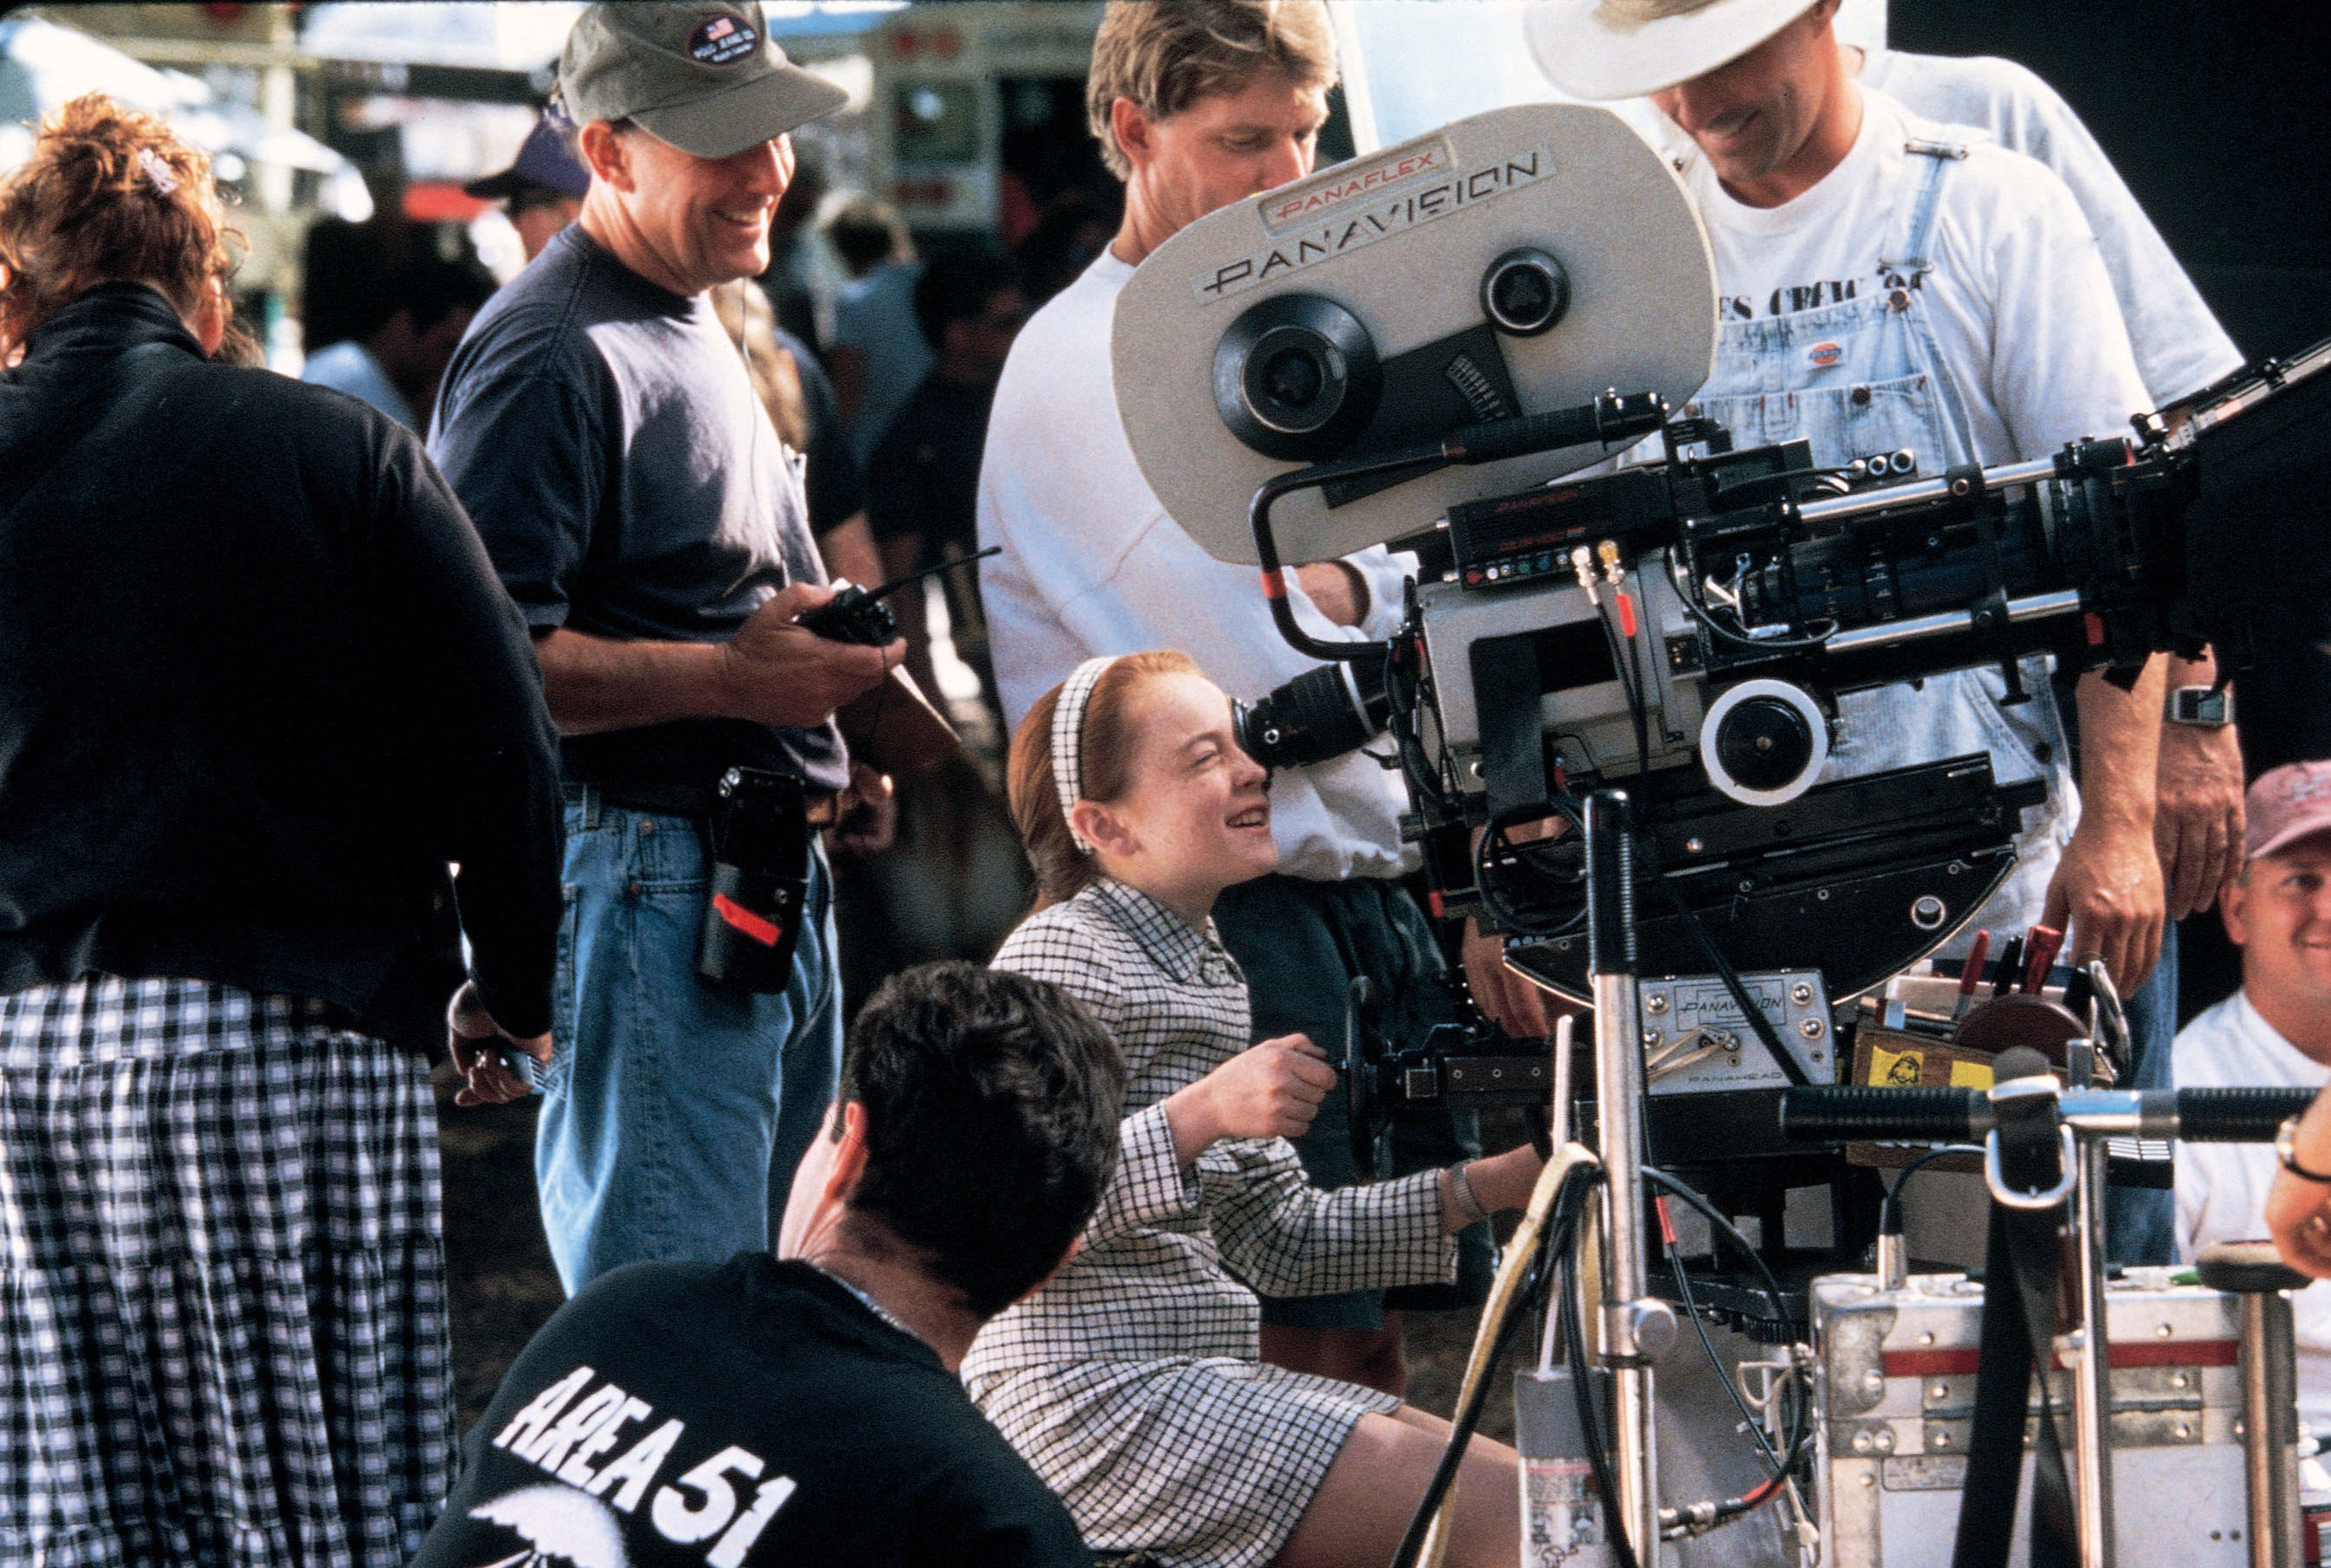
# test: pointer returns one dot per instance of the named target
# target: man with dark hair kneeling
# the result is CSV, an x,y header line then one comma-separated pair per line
x,y
804,1408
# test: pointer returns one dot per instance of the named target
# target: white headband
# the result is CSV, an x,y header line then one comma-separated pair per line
x,y
1068,739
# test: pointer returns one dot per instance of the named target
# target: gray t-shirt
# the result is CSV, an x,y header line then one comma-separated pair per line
x,y
605,438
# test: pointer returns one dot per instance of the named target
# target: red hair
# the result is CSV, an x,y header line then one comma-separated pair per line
x,y
1104,762
109,196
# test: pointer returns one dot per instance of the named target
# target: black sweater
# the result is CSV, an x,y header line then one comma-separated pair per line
x,y
258,684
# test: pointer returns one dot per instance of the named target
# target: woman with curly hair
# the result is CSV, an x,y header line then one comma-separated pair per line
x,y
258,687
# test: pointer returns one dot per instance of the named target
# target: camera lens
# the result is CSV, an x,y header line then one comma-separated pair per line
x,y
1525,293
1296,377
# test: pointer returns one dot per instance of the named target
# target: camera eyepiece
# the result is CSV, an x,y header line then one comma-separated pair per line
x,y
1525,293
1296,377
1763,742
1320,714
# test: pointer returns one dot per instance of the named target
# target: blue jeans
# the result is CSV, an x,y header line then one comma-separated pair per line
x,y
2140,1222
673,1113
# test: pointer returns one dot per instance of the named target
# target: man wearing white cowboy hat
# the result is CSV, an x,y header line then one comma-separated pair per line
x,y
1885,282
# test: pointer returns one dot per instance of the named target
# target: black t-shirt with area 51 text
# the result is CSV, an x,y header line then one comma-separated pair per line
x,y
737,1415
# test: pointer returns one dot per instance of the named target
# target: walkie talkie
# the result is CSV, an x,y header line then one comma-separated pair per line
x,y
856,615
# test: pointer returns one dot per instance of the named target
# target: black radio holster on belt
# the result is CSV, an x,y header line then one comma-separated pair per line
x,y
759,835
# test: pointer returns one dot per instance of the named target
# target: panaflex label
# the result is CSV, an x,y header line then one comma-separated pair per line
x,y
1291,210
1332,220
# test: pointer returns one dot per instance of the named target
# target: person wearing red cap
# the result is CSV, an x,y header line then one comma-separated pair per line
x,y
2275,1030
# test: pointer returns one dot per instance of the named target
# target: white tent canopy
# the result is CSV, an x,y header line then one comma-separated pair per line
x,y
44,66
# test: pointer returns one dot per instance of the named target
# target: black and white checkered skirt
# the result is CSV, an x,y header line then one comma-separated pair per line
x,y
223,1326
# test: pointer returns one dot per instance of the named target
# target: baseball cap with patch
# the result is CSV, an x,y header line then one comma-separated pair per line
x,y
703,77
2285,804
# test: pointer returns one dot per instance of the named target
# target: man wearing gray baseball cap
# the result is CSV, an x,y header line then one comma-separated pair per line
x,y
604,435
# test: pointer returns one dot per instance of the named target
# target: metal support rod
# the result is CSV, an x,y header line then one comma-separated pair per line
x,y
1636,1328
1889,498
2270,1428
2092,1502
1893,633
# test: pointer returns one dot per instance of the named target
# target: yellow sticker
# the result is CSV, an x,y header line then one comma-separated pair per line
x,y
1971,1074
1896,1069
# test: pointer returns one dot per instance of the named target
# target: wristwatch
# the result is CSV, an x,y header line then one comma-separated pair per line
x,y
2202,707
2286,1152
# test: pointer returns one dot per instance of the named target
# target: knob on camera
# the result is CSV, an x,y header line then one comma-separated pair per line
x,y
1525,293
1763,742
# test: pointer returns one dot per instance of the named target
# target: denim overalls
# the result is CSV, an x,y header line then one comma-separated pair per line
x,y
1865,377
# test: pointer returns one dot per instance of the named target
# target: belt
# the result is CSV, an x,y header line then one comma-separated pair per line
x,y
823,807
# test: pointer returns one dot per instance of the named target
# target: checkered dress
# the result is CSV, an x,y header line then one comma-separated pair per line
x,y
224,1333
1133,1383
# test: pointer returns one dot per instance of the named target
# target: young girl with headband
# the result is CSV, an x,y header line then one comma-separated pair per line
x,y
1133,1381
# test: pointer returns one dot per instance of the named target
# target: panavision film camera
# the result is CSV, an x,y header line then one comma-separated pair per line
x,y
1416,345
1624,706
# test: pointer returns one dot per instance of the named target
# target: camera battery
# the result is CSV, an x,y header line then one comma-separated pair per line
x,y
1897,1404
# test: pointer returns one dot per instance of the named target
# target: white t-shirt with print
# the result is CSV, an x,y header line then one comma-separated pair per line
x,y
2180,347
2221,1187
2022,308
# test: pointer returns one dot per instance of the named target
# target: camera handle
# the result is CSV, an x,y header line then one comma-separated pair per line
x,y
1610,418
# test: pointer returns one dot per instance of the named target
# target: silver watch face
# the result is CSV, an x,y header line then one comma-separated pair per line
x,y
2201,706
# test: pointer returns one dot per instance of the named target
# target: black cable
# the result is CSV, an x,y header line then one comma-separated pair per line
x,y
1732,1508
1641,703
1493,839
1404,697
1624,657
1799,1431
1889,1211
1797,1435
1731,1232
1699,1327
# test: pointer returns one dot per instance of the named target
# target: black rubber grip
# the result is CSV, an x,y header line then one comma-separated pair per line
x,y
1504,438
1849,1114
1610,885
1603,420
2237,1115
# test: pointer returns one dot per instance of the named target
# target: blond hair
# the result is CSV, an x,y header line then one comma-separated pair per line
x,y
1104,767
109,196
1166,54
745,316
